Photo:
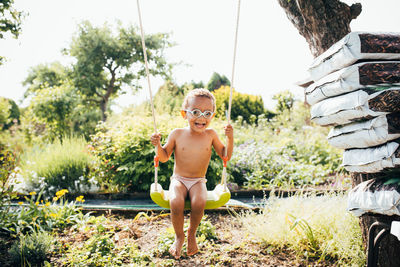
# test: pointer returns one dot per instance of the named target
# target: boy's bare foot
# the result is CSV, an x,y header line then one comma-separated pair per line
x,y
176,248
192,244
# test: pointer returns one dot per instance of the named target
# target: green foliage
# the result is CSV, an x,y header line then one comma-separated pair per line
x,y
7,193
285,100
100,248
5,112
246,106
45,76
205,234
315,227
282,152
56,105
126,155
53,108
31,249
169,97
106,62
58,165
10,20
217,81
35,214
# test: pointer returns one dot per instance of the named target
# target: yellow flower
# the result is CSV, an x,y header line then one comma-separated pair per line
x,y
53,215
47,204
80,199
61,192
37,203
20,203
55,198
32,193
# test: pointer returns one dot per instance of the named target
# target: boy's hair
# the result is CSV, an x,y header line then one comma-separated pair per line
x,y
200,92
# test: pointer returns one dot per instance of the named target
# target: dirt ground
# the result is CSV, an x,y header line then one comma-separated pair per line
x,y
233,246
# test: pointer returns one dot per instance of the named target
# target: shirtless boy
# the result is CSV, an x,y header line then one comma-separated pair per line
x,y
192,146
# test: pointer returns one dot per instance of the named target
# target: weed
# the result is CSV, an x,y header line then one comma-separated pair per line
x,y
32,249
317,227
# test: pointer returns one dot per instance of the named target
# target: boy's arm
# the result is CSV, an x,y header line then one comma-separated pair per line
x,y
220,147
164,152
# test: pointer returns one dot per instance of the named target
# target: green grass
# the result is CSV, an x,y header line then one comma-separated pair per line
x,y
315,227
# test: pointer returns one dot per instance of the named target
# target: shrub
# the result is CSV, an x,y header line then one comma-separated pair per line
x,y
125,154
259,165
58,166
244,105
7,193
31,250
283,152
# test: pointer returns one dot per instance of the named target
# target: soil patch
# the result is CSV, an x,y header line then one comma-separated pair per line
x,y
233,247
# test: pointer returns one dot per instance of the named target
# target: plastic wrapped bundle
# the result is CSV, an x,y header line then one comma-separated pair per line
x,y
354,47
362,75
373,196
368,133
373,159
354,106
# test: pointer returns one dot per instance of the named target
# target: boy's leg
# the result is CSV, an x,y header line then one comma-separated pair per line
x,y
198,198
178,193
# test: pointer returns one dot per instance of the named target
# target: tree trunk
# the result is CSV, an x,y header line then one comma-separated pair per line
x,y
322,23
103,108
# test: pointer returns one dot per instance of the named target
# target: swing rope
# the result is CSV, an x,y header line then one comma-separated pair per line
x,y
228,115
156,159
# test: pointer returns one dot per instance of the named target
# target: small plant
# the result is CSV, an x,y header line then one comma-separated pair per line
x,y
101,250
32,249
39,215
206,233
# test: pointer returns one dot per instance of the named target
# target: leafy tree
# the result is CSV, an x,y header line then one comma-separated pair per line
x,y
216,81
169,97
106,63
197,84
10,20
285,100
247,106
45,76
53,107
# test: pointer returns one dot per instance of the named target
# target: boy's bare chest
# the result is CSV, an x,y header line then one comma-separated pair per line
x,y
193,144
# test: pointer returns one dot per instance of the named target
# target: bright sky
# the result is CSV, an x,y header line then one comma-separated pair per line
x,y
271,54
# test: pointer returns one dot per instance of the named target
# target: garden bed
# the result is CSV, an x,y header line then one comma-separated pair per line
x,y
232,247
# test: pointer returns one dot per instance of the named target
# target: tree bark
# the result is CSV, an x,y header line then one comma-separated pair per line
x,y
322,23
389,248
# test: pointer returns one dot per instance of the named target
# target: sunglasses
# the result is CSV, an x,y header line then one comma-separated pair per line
x,y
197,113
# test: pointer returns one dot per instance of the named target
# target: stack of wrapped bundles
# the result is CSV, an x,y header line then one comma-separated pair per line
x,y
356,89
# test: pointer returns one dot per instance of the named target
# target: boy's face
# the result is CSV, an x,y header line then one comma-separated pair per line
x,y
203,104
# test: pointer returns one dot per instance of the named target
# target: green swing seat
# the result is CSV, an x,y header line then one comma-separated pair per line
x,y
215,198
